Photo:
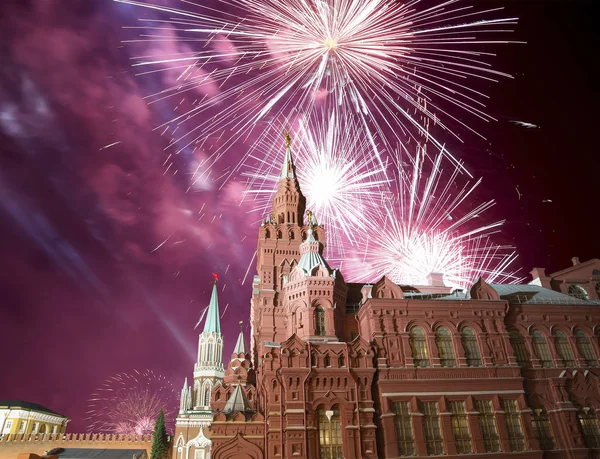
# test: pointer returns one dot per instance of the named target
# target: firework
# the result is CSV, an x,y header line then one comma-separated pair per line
x,y
235,63
128,403
430,227
342,181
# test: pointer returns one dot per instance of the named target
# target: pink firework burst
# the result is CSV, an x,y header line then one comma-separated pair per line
x,y
128,403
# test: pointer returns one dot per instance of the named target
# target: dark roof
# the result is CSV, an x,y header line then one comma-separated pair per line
x,y
534,294
89,453
22,404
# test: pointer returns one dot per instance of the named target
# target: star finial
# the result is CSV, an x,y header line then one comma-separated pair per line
x,y
288,139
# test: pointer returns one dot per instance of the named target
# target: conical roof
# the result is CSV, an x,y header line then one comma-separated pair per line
x,y
213,322
311,256
237,402
288,170
240,345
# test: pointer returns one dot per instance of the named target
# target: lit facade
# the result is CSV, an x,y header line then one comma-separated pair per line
x,y
18,417
343,370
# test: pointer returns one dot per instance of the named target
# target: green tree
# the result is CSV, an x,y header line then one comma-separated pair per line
x,y
160,444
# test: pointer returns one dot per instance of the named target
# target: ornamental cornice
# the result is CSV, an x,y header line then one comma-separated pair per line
x,y
33,415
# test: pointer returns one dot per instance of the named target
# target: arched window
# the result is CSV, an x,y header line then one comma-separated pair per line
x,y
209,357
320,321
418,344
585,348
541,349
564,349
519,348
590,427
469,342
443,340
327,360
341,361
206,395
330,434
578,292
542,429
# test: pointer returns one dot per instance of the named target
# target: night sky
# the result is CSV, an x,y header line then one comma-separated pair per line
x,y
83,294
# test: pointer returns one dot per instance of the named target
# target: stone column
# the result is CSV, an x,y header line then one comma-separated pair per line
x,y
446,428
389,435
474,427
459,350
418,428
434,355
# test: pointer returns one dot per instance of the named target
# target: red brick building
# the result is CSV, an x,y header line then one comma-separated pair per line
x,y
342,370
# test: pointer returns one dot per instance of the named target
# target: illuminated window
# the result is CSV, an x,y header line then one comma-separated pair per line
x,y
542,430
578,292
487,423
418,344
590,427
443,340
516,440
330,434
585,348
460,427
469,341
564,349
320,321
404,432
518,345
433,432
541,349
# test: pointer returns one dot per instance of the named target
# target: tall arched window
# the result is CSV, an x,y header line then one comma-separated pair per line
x,y
541,349
585,348
418,344
210,357
443,340
320,321
589,427
206,395
564,349
518,344
330,434
469,341
578,292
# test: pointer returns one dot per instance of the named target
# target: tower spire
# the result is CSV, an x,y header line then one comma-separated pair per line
x,y
288,170
240,345
213,322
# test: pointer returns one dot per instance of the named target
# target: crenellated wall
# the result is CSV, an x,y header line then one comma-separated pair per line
x,y
13,445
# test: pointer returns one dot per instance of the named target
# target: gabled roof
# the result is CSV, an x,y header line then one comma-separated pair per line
x,y
576,267
534,294
213,322
22,404
76,453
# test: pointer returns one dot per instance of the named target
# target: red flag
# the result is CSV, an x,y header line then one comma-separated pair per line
x,y
216,276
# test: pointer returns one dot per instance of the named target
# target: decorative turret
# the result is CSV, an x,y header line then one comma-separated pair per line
x,y
311,254
239,370
289,203
185,402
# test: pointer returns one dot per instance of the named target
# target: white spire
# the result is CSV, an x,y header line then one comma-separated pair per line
x,y
240,345
288,170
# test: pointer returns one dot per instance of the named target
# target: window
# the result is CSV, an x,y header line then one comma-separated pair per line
x,y
22,426
585,349
516,440
404,432
541,349
564,349
460,427
206,395
330,434
518,345
598,289
578,292
469,341
210,357
590,427
443,340
341,361
542,430
8,426
433,433
320,321
36,427
418,345
488,426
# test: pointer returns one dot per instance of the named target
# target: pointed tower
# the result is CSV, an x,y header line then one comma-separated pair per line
x,y
277,254
195,410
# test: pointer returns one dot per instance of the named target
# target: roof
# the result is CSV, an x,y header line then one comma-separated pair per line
x,y
575,267
99,453
22,404
534,294
237,402
213,322
311,258
240,345
288,170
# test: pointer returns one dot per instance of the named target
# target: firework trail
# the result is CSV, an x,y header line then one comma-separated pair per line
x,y
342,181
128,403
235,63
430,227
